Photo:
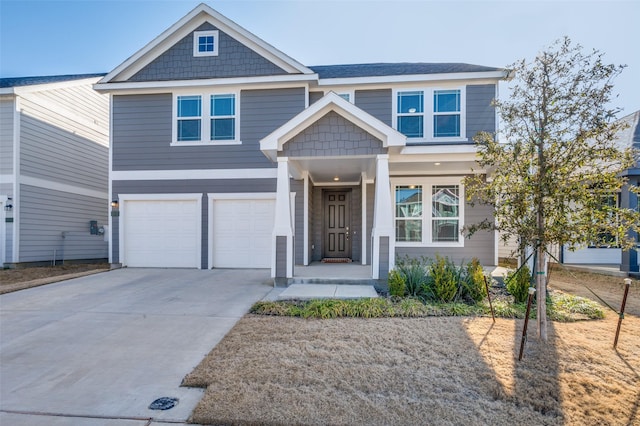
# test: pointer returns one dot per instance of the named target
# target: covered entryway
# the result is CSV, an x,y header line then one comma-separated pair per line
x,y
161,232
332,146
241,232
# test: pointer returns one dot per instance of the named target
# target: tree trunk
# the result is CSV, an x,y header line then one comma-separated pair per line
x,y
541,290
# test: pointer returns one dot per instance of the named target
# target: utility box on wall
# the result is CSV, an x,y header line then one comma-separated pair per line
x,y
93,227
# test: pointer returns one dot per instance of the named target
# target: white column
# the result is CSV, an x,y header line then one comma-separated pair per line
x,y
283,226
382,215
364,219
305,209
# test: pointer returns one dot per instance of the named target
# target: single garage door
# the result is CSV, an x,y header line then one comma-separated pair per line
x,y
242,232
164,233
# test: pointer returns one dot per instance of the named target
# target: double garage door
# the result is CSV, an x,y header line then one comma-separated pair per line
x,y
168,233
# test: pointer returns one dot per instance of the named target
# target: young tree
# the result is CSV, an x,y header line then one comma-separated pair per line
x,y
559,162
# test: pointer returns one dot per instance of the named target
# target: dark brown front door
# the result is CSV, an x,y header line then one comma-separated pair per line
x,y
337,222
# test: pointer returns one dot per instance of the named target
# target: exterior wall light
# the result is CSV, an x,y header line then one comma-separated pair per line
x,y
114,208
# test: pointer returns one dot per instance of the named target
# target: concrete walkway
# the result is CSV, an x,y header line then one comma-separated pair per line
x,y
98,350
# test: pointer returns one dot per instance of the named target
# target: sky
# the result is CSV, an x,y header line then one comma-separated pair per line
x,y
50,37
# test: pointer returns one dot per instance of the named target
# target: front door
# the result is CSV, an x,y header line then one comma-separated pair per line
x,y
337,222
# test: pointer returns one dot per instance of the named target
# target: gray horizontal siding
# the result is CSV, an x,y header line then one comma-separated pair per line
x,y
6,136
8,243
234,60
51,153
44,216
192,186
481,245
315,97
142,132
377,103
481,115
263,111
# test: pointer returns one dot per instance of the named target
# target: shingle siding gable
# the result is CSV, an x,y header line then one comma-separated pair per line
x,y
234,60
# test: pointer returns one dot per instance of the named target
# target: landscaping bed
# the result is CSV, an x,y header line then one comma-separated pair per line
x,y
441,370
34,276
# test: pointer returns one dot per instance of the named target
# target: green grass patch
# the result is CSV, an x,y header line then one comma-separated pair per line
x,y
560,307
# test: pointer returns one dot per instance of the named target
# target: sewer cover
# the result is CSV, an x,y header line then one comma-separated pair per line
x,y
164,403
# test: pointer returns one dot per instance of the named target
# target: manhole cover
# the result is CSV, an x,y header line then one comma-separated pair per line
x,y
164,403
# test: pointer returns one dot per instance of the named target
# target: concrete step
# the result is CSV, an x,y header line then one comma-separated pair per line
x,y
326,291
334,281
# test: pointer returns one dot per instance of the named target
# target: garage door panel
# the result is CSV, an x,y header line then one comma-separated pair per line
x,y
162,233
242,233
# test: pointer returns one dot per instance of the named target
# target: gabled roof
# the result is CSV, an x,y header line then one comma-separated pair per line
x,y
30,81
201,14
275,141
402,68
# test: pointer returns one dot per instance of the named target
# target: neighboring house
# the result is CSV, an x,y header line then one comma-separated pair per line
x,y
628,261
54,164
227,153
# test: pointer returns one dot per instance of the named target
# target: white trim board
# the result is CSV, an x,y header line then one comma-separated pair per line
x,y
63,187
270,173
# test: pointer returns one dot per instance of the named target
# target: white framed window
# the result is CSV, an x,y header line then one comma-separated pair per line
x,y
189,118
206,118
430,114
205,43
428,212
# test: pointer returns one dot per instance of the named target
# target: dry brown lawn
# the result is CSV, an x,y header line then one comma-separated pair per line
x,y
438,371
22,278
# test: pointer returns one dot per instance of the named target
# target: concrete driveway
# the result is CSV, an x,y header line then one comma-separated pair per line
x,y
98,350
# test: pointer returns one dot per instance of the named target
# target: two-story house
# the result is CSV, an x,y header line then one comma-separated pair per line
x,y
227,153
54,169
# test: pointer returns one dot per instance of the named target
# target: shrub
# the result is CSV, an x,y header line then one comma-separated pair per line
x,y
414,273
444,278
472,284
397,286
518,283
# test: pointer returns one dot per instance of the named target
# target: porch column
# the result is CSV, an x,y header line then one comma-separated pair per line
x,y
629,200
382,234
282,246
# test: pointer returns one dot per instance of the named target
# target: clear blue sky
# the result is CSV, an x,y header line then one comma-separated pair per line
x,y
86,36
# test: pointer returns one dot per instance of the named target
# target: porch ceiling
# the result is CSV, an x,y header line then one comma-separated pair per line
x,y
324,170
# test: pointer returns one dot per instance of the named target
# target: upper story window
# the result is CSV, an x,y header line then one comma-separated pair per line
x,y
428,212
410,114
205,43
430,115
189,118
446,113
223,120
205,119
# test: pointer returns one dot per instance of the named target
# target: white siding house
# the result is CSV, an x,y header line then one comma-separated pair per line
x,y
54,162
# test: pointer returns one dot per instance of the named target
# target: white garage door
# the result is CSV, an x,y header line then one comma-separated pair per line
x,y
162,234
242,233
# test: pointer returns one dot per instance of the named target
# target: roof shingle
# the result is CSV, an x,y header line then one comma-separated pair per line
x,y
30,81
402,68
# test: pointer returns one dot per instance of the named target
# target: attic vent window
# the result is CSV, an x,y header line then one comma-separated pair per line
x,y
205,43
